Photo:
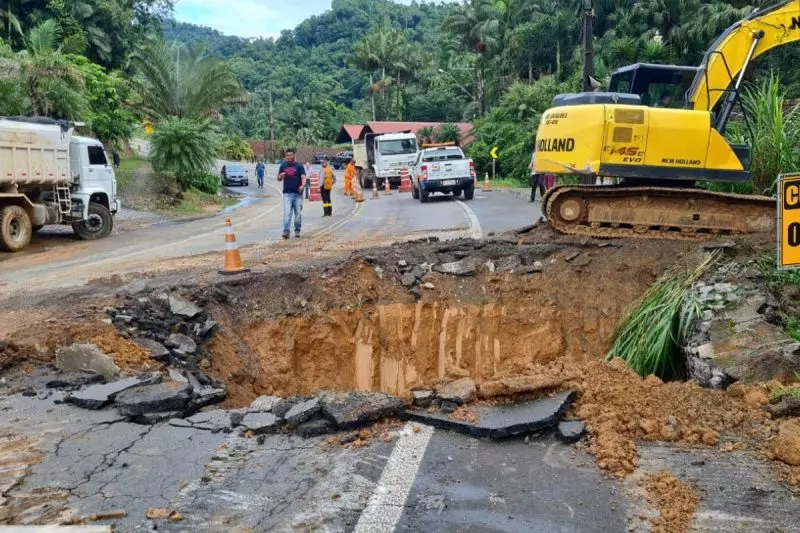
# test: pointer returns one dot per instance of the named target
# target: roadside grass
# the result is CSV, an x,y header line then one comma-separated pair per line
x,y
777,394
508,183
127,169
650,336
196,202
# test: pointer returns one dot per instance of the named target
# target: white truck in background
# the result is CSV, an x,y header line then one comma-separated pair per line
x,y
48,175
442,168
382,157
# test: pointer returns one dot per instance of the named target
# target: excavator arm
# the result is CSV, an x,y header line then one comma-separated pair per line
x,y
723,66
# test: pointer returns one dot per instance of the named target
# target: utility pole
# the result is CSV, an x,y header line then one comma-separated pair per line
x,y
588,44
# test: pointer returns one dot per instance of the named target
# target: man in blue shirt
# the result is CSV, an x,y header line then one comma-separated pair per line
x,y
260,169
293,176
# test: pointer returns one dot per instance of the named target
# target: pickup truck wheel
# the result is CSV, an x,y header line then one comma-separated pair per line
x,y
456,193
15,228
423,196
414,193
469,192
97,226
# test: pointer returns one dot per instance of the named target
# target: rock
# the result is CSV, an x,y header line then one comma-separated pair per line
x,y
787,406
509,263
490,266
98,396
183,308
110,311
408,280
537,266
158,398
706,351
205,363
29,392
572,256
314,428
181,342
448,407
263,404
465,267
422,398
402,263
157,350
428,285
82,357
303,411
157,513
416,292
583,260
122,319
510,386
501,421
720,245
177,375
236,418
283,406
786,445
206,329
418,272
352,409
204,396
570,431
378,271
707,315
74,381
460,391
260,423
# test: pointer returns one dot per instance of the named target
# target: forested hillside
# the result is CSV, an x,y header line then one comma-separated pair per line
x,y
495,62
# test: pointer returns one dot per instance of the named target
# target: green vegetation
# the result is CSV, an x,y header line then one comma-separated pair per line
x,y
195,202
235,149
186,148
650,336
777,394
785,286
128,166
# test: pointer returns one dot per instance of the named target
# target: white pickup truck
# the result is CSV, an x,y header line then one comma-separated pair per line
x,y
444,169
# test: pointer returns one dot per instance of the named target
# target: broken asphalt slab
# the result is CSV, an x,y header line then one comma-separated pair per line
x,y
352,409
501,421
159,398
98,396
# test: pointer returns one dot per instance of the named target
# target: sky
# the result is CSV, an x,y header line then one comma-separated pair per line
x,y
250,18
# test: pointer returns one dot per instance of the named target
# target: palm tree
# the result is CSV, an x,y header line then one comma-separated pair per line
x,y
426,134
53,84
476,24
175,81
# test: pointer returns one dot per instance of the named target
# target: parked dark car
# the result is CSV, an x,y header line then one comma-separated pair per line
x,y
234,174
319,157
339,160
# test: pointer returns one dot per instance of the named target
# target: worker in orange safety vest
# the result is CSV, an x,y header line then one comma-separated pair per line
x,y
328,180
349,176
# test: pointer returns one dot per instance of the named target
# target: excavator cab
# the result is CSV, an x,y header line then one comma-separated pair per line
x,y
656,85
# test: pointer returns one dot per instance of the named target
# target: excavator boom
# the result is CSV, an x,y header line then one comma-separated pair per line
x,y
744,41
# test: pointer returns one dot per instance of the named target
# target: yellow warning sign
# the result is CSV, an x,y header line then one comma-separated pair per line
x,y
789,221
148,128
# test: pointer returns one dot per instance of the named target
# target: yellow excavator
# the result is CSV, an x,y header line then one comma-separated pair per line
x,y
658,130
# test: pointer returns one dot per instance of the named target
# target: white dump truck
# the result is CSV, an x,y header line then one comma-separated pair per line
x,y
48,175
382,157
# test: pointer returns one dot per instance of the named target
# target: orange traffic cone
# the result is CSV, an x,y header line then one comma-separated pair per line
x,y
405,183
487,187
387,189
359,197
233,261
375,195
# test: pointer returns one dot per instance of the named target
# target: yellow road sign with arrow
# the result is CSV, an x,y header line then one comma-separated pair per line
x,y
493,153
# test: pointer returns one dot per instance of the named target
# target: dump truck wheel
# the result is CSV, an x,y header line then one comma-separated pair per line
x,y
97,226
15,228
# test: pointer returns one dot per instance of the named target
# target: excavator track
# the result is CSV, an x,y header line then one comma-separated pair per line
x,y
611,211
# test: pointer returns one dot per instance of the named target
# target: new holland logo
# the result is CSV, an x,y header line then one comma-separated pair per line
x,y
795,23
555,145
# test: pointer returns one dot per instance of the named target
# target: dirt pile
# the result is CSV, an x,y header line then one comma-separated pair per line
x,y
675,501
14,356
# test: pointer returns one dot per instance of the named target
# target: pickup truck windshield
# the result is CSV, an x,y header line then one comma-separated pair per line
x,y
398,147
443,155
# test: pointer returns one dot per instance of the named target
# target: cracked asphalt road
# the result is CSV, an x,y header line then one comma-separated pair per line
x,y
59,463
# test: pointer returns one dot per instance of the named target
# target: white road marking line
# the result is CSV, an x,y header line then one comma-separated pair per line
x,y
386,504
324,231
475,230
